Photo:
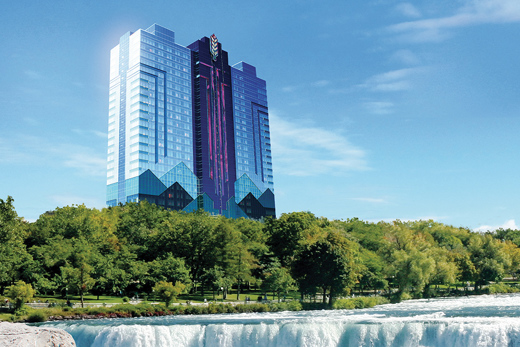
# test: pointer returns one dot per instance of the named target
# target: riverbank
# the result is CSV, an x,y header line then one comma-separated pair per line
x,y
151,310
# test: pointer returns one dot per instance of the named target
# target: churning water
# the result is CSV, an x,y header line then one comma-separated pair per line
x,y
486,320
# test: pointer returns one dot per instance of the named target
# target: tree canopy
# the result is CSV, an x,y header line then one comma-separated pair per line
x,y
132,248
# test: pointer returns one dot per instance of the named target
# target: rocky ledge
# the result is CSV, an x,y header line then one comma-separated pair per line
x,y
21,335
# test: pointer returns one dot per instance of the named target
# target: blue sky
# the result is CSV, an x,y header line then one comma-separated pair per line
x,y
380,110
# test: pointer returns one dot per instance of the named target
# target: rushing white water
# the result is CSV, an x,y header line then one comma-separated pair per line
x,y
470,321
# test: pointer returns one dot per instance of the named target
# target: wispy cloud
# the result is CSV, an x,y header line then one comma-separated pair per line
x,y
39,151
301,150
475,12
90,132
315,84
408,10
379,107
31,121
391,81
321,83
510,224
32,74
405,56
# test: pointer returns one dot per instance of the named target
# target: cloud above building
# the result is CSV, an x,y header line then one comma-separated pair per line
x,y
306,150
475,12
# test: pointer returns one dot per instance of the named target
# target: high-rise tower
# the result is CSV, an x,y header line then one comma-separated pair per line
x,y
187,131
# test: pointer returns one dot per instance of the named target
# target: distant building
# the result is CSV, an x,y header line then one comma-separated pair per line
x,y
186,130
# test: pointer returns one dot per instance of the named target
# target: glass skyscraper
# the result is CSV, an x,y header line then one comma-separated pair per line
x,y
186,130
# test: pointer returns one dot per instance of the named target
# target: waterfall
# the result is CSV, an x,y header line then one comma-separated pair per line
x,y
482,321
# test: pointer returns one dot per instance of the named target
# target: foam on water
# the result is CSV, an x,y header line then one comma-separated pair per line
x,y
473,321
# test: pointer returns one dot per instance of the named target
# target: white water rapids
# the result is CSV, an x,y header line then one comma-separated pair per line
x,y
488,320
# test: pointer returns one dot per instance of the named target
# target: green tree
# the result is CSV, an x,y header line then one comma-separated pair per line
x,y
13,253
278,280
289,234
329,264
408,253
169,292
372,276
193,239
77,274
169,269
413,270
20,293
489,257
217,279
232,253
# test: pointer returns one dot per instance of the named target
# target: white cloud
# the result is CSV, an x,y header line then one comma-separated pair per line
x,y
408,10
321,83
32,74
391,81
31,121
379,107
33,150
86,163
90,132
476,12
318,84
510,224
301,150
405,56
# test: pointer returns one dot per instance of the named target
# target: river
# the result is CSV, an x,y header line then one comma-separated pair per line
x,y
487,320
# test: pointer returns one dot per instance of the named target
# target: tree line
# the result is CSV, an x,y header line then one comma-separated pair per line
x,y
139,247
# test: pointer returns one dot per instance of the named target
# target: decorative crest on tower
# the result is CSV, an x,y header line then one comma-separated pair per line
x,y
213,48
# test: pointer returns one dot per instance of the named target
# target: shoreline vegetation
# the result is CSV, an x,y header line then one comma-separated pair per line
x,y
147,253
144,309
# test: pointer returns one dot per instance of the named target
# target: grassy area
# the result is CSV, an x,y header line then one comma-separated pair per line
x,y
28,314
5,317
232,296
75,298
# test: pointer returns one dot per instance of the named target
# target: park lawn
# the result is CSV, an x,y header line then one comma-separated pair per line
x,y
195,298
75,298
232,296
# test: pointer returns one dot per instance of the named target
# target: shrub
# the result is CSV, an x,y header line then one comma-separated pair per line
x,y
343,304
501,288
37,316
125,299
192,309
177,309
359,302
169,292
277,306
294,305
20,292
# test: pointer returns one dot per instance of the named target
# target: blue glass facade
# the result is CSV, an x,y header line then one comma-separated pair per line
x,y
186,130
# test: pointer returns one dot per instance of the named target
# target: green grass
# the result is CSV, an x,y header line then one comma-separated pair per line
x,y
232,296
196,298
5,317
